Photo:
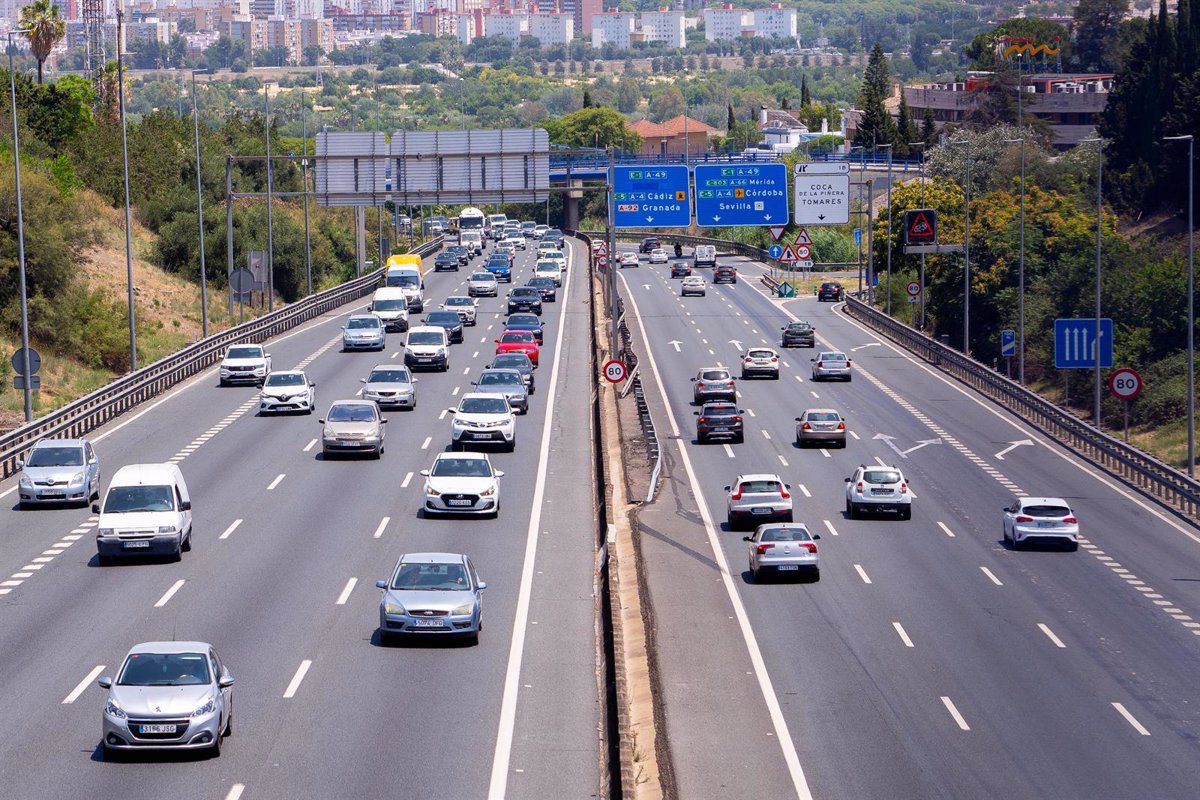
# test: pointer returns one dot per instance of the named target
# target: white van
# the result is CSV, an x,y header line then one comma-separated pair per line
x,y
706,255
146,511
496,225
472,240
390,304
408,279
427,347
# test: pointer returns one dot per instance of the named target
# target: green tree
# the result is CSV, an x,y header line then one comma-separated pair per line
x,y
1099,34
984,50
906,128
875,126
43,26
667,103
805,96
593,127
311,55
629,95
928,127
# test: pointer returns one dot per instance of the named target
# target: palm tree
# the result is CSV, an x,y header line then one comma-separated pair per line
x,y
44,27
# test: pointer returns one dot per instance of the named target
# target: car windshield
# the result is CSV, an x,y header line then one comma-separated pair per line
x,y
245,352
501,379
547,266
56,457
388,376
517,336
832,357
442,317
431,578
881,476
403,280
714,375
285,380
132,499
483,277
822,416
554,233
425,337
352,413
538,283
458,301
784,535
553,254
720,411
522,319
513,360
799,327
362,323
484,405
523,291
389,305
1046,511
759,487
461,468
165,669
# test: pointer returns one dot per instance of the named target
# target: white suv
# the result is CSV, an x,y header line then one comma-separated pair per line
x,y
1040,519
483,419
760,361
245,363
755,499
878,489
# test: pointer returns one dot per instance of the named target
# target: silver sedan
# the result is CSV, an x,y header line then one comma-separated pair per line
x,y
390,386
784,548
831,364
432,593
820,425
57,471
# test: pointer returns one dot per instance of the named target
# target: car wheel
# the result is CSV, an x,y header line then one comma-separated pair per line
x,y
455,447
1004,534
744,375
775,377
229,724
730,522
186,545
701,439
741,439
816,574
906,514
753,574
472,640
103,560
851,510
112,754
512,446
1074,547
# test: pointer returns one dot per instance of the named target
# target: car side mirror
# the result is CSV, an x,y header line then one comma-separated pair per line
x,y
812,359
499,473
312,385
695,413
320,422
747,538
816,536
226,681
452,410
105,682
384,421
362,380
186,505
797,419
414,380
741,411
482,585
787,486
425,473
847,480
95,508
268,355
728,488
380,584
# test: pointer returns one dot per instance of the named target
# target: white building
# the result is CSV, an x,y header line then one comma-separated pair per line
x,y
552,28
725,23
465,28
775,22
510,26
613,27
665,26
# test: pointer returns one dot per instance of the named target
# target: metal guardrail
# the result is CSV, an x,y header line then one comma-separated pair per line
x,y
93,410
1137,468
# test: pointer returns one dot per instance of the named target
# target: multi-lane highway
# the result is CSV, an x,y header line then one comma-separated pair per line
x,y
281,579
930,660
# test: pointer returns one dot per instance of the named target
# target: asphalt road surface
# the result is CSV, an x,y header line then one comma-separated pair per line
x,y
930,661
281,580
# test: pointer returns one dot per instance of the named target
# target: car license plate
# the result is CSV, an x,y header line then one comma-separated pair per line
x,y
53,495
881,491
428,623
760,511
135,544
352,444
1047,524
789,568
423,360
481,436
157,728
720,430
460,502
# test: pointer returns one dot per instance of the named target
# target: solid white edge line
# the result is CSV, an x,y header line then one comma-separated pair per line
x,y
83,685
235,791
383,523
949,704
1044,628
766,686
297,679
862,573
169,593
345,595
1132,720
903,634
991,576
498,784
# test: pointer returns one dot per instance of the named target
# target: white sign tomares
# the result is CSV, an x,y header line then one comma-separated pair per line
x,y
821,198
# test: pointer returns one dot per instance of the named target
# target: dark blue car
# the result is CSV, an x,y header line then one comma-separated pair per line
x,y
525,322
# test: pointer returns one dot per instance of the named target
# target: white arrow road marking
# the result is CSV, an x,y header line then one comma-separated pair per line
x,y
890,442
922,443
1013,446
646,286
675,343
736,343
864,346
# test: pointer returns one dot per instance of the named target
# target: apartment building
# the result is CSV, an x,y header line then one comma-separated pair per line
x,y
557,28
774,22
725,23
664,25
509,25
613,27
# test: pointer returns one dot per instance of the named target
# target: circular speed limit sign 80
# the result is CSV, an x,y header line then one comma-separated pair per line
x,y
1125,383
614,371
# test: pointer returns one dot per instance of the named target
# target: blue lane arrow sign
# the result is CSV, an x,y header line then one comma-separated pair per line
x,y
857,237
651,196
1008,343
741,194
1075,343
775,251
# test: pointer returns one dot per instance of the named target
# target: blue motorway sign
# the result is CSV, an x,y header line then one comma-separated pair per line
x,y
651,197
741,194
775,251
1008,343
1075,343
858,237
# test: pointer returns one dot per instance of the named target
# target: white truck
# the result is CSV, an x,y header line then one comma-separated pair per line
x,y
410,281
706,255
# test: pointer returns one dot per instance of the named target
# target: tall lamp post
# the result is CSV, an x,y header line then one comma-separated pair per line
x,y
25,375
966,253
304,174
125,160
270,175
200,212
921,276
1192,322
1021,273
1096,397
889,147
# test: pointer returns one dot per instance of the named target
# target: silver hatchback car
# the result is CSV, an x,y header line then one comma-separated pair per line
x,y
784,548
59,471
433,593
831,365
390,386
364,332
820,425
168,696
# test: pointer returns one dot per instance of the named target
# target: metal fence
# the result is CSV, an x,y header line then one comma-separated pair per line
x,y
91,411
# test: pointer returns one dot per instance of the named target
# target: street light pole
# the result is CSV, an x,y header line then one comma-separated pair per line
x,y
25,374
304,175
889,147
128,215
1099,225
967,253
200,212
921,276
1021,274
1191,318
270,239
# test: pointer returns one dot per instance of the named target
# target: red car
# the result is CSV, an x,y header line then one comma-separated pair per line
x,y
518,342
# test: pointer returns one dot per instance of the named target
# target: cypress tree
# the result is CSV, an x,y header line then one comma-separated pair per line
x,y
805,97
729,120
928,127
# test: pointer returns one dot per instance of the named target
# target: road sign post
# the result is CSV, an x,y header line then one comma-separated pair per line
x,y
1125,384
651,197
821,193
741,195
920,226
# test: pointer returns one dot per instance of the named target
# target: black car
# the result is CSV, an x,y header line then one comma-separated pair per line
x,y
553,235
830,290
648,244
450,320
719,421
525,322
799,334
724,274
464,255
445,261
525,298
547,287
521,363
680,269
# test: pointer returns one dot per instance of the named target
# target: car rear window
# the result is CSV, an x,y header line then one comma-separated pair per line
x,y
761,354
720,411
785,535
1046,511
881,476
759,487
799,327
517,336
822,416
833,357
714,375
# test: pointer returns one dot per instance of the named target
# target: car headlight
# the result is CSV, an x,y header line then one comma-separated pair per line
x,y
393,608
25,481
114,710
104,531
463,610
432,492
488,492
207,708
77,479
166,529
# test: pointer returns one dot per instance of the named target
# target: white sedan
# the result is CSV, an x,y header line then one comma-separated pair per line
x,y
287,391
658,256
515,240
629,259
462,483
1040,519
548,269
465,305
693,284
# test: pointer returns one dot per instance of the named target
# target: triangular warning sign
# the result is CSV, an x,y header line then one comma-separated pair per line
x,y
789,255
802,237
920,227
601,249
776,231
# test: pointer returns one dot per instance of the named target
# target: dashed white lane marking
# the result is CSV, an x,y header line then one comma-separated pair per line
x,y
475,354
235,791
814,394
310,445
783,461
83,685
466,370
949,704
798,379
829,526
991,576
278,480
824,452
902,633
425,444
766,434
395,354
169,593
1132,720
1044,628
862,573
383,523
232,527
297,679
407,478
443,414
728,450
853,435
946,530
803,490
345,595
